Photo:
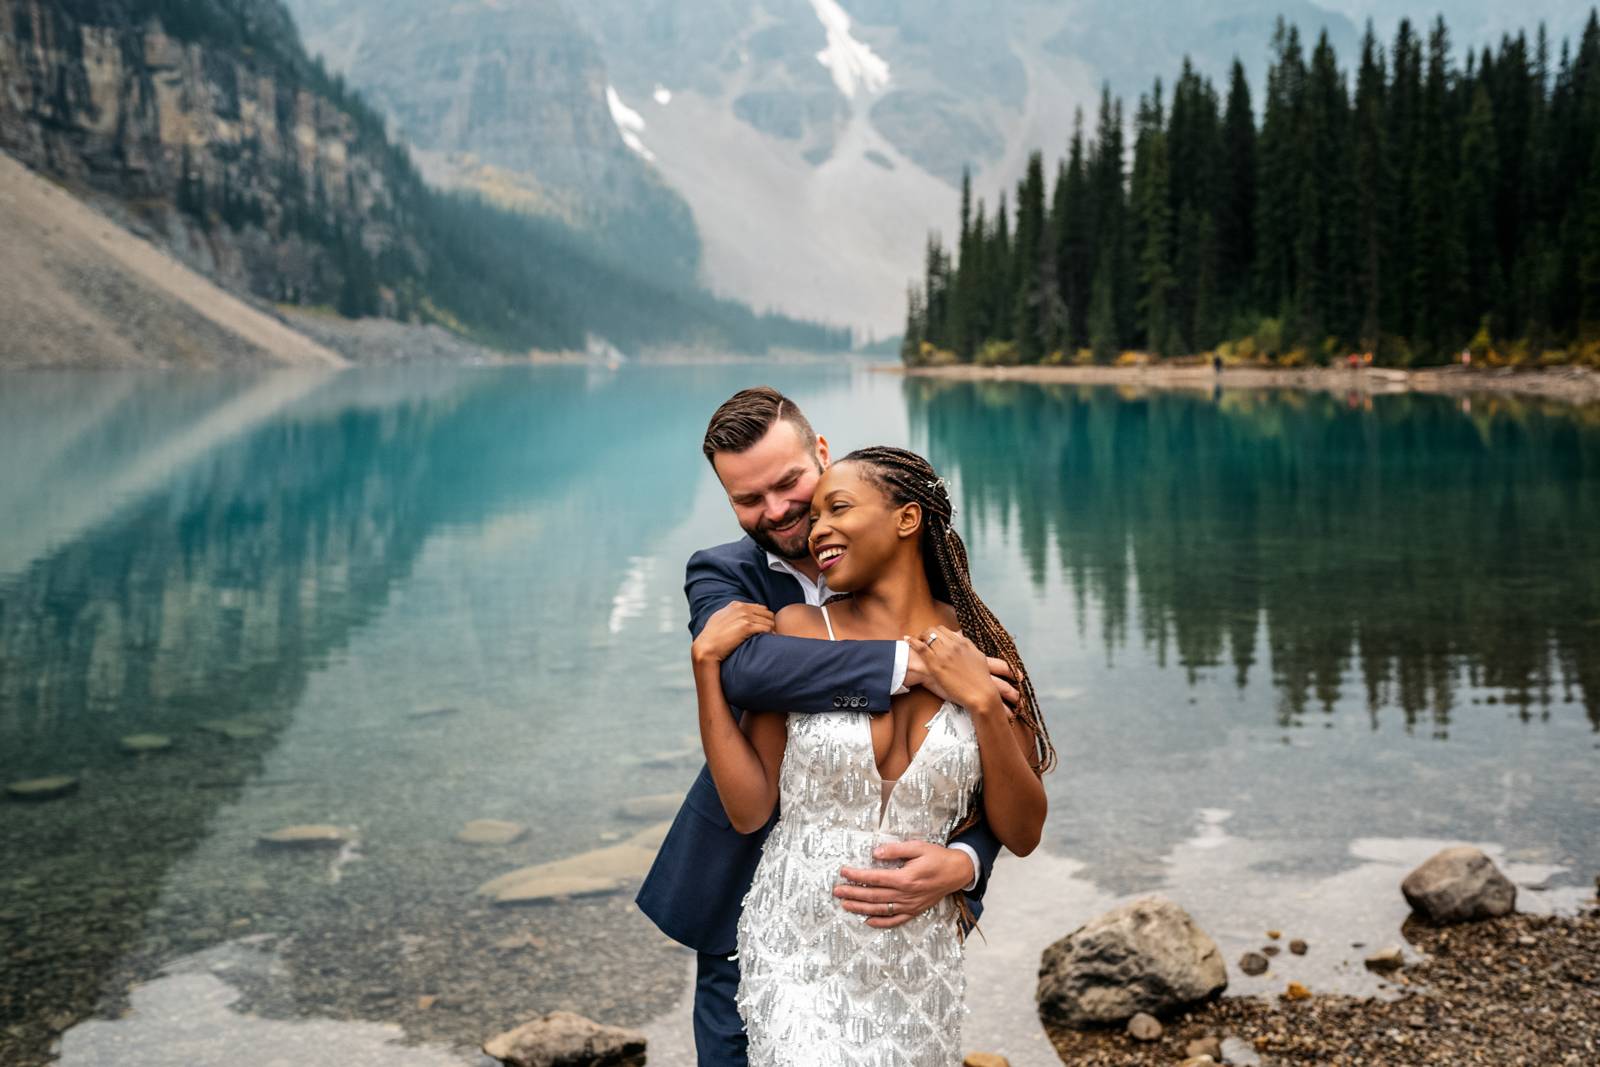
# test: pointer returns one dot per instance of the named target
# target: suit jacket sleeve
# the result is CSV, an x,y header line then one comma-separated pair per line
x,y
987,846
771,672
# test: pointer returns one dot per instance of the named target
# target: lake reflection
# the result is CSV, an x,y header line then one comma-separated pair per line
x,y
1269,630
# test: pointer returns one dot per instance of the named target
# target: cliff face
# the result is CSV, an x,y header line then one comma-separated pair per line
x,y
509,99
209,131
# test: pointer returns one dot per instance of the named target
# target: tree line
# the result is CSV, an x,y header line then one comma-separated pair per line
x,y
1434,206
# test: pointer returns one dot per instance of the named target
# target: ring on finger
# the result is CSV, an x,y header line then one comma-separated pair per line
x,y
933,635
891,907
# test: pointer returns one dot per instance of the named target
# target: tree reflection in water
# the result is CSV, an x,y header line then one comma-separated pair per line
x,y
1425,544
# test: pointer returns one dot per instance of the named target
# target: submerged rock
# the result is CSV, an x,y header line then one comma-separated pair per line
x,y
1253,963
1144,956
138,744
1459,884
600,870
309,836
490,832
234,729
564,1039
57,785
654,807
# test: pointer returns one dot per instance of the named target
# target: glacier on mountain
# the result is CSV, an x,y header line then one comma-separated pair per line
x,y
630,124
853,64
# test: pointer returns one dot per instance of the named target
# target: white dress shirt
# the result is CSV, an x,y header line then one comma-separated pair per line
x,y
816,593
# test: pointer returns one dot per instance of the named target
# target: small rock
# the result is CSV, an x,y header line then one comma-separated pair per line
x,y
654,807
1298,947
233,729
1459,884
1253,963
1197,1061
1240,1053
1388,958
1274,934
1143,1027
985,1059
490,832
1145,956
433,713
563,1039
1527,941
426,1001
1204,1046
556,887
314,836
57,785
138,744
1270,950
1296,991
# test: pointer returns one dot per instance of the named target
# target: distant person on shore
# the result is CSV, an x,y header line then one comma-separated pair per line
x,y
770,462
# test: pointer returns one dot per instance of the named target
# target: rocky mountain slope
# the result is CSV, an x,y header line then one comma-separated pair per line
x,y
508,99
205,126
81,291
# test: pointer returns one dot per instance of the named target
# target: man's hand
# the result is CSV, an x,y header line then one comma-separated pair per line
x,y
999,673
931,873
727,629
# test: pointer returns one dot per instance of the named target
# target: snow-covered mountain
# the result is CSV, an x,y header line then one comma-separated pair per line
x,y
815,141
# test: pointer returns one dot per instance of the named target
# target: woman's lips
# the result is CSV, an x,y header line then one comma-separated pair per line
x,y
824,564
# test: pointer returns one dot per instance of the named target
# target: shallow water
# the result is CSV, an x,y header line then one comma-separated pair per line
x,y
1287,645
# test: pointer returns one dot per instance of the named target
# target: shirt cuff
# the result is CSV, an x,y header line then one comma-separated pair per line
x,y
902,658
977,870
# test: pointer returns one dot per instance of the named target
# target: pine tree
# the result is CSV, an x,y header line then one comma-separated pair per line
x,y
1152,228
1030,303
1075,249
1373,187
1236,200
1476,194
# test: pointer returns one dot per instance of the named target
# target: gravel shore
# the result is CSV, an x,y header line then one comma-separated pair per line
x,y
1574,385
1521,990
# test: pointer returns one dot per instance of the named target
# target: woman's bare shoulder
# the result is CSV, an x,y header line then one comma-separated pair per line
x,y
800,620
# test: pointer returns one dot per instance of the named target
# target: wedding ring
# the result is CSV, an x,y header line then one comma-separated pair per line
x,y
891,907
933,635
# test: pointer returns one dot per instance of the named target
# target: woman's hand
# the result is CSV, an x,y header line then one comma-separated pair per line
x,y
727,629
958,668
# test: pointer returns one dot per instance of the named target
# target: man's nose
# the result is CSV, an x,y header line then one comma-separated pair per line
x,y
777,508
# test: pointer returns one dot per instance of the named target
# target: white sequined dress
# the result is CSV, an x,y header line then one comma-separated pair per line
x,y
818,987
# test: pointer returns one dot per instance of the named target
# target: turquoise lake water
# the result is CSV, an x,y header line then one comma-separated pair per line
x,y
1287,645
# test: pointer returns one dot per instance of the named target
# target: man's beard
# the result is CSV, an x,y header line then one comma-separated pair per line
x,y
763,536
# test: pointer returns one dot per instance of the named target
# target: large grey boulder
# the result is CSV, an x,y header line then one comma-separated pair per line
x,y
1459,884
1144,956
563,1039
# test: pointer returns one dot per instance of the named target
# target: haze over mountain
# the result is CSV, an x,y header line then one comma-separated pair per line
x,y
816,141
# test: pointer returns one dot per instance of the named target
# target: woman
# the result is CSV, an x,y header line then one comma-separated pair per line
x,y
817,985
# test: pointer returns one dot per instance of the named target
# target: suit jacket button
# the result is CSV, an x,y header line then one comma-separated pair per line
x,y
861,702
838,702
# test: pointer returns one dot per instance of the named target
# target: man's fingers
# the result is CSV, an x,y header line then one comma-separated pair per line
x,y
900,850
866,898
885,877
1000,668
884,922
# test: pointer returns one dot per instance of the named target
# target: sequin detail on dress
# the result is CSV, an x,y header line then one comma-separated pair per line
x,y
818,986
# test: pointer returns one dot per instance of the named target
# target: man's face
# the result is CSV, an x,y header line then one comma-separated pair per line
x,y
770,486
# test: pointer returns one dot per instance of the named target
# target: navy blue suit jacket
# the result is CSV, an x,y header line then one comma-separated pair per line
x,y
696,887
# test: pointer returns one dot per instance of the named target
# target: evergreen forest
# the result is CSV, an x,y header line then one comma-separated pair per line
x,y
1423,205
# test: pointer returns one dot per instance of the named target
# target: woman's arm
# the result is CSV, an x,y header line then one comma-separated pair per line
x,y
744,757
1014,801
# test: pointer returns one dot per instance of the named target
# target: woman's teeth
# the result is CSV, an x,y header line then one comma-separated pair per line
x,y
828,555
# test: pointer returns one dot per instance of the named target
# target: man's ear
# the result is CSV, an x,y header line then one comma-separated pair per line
x,y
822,452
908,522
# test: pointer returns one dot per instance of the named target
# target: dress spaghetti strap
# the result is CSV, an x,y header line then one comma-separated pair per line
x,y
828,623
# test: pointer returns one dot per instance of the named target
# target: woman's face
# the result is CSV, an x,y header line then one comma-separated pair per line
x,y
855,528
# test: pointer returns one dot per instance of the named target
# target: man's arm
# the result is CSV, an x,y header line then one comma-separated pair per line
x,y
771,672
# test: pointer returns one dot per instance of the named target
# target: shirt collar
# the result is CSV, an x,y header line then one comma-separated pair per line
x,y
778,563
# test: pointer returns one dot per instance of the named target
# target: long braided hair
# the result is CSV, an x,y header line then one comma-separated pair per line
x,y
907,478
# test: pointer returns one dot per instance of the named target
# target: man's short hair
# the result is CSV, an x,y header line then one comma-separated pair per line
x,y
746,416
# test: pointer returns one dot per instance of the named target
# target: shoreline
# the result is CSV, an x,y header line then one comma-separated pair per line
x,y
1518,989
1573,385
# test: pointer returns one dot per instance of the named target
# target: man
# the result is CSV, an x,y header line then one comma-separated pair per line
x,y
768,459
